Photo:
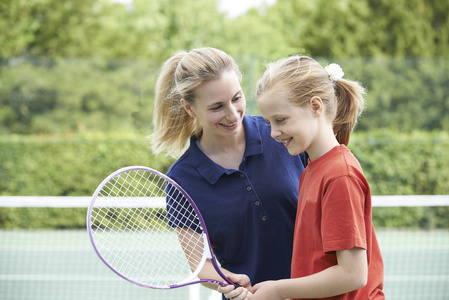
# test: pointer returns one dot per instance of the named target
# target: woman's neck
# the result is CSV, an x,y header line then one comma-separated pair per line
x,y
224,151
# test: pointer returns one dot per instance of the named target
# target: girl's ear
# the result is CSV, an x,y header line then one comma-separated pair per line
x,y
316,104
188,107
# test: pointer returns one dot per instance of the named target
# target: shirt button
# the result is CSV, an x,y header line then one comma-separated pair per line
x,y
242,175
249,189
257,203
264,218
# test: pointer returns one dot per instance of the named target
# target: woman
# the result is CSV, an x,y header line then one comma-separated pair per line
x,y
244,182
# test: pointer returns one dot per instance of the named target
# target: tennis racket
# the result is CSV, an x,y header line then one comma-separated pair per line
x,y
148,230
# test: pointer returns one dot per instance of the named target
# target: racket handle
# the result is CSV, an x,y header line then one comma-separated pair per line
x,y
238,285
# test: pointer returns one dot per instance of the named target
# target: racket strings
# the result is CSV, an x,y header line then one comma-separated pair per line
x,y
146,230
189,234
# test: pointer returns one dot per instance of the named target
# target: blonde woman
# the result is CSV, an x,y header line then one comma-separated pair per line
x,y
244,182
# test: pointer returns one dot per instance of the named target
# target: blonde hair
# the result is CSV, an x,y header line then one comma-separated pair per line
x,y
300,78
179,77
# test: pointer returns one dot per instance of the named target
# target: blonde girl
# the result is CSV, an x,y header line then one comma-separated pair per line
x,y
335,252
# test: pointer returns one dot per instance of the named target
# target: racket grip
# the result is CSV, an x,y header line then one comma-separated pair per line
x,y
238,285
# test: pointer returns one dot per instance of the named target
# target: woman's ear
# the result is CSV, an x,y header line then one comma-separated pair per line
x,y
316,104
188,107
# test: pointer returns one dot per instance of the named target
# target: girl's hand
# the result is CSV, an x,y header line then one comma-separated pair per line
x,y
265,291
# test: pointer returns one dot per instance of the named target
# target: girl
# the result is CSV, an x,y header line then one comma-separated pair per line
x,y
335,251
232,168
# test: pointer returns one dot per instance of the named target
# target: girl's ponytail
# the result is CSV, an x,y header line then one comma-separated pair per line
x,y
350,105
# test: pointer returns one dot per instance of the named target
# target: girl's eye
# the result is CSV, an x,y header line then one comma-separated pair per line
x,y
279,121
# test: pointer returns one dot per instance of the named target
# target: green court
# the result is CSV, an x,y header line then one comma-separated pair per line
x,y
62,265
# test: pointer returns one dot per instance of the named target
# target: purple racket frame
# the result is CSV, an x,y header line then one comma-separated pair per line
x,y
207,244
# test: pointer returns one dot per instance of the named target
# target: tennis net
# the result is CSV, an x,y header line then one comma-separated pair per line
x,y
60,264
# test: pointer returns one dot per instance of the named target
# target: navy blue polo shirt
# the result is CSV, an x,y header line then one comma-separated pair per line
x,y
250,212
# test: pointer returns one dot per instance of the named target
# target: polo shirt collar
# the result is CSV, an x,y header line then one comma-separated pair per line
x,y
210,170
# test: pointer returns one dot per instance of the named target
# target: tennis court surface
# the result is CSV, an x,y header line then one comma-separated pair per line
x,y
62,265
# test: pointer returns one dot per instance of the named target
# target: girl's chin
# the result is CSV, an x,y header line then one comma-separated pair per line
x,y
294,152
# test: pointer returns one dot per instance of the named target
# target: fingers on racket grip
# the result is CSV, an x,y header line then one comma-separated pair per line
x,y
238,285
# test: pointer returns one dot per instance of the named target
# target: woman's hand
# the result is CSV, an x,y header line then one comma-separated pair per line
x,y
240,293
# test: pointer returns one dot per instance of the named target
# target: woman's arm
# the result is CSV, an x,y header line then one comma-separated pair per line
x,y
192,244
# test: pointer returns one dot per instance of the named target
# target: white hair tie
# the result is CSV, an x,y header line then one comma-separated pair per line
x,y
335,72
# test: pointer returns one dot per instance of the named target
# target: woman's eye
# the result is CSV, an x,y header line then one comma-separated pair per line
x,y
237,98
217,107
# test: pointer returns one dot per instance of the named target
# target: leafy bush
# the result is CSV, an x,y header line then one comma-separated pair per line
x,y
59,96
42,218
54,166
394,164
398,163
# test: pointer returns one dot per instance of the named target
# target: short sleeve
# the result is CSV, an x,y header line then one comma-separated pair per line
x,y
180,212
343,217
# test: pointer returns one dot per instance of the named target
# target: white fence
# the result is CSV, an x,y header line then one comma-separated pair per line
x,y
71,201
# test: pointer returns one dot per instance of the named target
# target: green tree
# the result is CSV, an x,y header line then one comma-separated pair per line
x,y
330,28
51,27
438,13
402,28
16,27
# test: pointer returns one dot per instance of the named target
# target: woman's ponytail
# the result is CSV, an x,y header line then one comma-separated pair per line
x,y
172,125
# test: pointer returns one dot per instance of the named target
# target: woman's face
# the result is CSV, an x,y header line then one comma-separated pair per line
x,y
219,106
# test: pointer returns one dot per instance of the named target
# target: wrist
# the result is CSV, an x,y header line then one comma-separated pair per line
x,y
281,288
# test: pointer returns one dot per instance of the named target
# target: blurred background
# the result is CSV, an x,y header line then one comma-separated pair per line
x,y
77,85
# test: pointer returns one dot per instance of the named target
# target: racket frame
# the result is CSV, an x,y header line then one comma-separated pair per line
x,y
207,249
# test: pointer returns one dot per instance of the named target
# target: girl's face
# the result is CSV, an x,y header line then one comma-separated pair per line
x,y
295,126
219,106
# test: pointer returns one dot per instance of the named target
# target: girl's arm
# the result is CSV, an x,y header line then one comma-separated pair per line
x,y
351,273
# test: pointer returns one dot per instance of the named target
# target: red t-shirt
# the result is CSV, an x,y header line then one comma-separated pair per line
x,y
334,213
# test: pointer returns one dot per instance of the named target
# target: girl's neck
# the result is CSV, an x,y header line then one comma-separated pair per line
x,y
322,144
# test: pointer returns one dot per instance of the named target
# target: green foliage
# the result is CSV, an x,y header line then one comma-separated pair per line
x,y
409,27
76,95
51,27
402,94
155,29
107,29
45,96
129,218
42,218
403,164
52,166
394,164
88,68
411,217
321,28
348,28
